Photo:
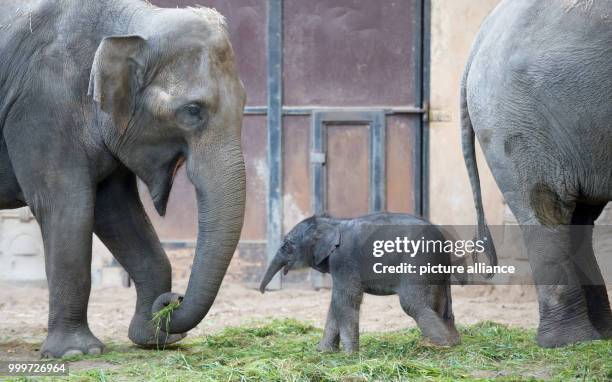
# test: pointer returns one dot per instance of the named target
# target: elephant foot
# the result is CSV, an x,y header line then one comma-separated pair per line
x,y
326,347
564,316
163,339
565,333
65,343
143,333
603,324
441,342
350,346
351,349
600,313
606,333
604,327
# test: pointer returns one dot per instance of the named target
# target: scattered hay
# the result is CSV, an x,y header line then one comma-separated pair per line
x,y
285,350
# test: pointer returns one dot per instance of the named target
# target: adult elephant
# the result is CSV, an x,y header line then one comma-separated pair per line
x,y
93,95
537,93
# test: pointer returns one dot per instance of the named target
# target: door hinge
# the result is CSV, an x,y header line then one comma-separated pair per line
x,y
426,110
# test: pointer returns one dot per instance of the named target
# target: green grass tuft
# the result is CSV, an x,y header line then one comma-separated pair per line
x,y
285,350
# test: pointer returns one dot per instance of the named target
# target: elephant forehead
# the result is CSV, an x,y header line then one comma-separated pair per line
x,y
185,67
190,75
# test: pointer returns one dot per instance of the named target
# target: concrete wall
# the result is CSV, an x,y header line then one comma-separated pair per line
x,y
454,24
22,254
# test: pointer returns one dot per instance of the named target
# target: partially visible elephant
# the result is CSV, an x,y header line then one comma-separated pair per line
x,y
94,94
343,248
537,93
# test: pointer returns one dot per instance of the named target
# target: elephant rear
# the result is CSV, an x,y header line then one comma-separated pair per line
x,y
540,105
536,93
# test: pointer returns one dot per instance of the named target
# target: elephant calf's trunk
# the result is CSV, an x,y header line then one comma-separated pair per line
x,y
276,265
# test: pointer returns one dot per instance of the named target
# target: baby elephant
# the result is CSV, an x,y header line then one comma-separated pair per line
x,y
345,248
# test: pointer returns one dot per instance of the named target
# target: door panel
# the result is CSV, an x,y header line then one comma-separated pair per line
x,y
255,159
401,159
350,52
347,170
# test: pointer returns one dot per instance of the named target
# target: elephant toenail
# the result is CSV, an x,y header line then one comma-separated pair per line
x,y
95,351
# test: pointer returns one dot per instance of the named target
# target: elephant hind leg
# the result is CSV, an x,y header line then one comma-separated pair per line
x,y
564,314
11,195
427,307
585,263
599,309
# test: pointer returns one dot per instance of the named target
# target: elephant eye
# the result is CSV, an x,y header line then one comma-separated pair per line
x,y
288,247
194,110
192,115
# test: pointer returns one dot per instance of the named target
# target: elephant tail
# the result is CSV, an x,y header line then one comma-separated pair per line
x,y
469,156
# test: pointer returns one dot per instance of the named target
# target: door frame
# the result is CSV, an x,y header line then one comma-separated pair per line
x,y
375,120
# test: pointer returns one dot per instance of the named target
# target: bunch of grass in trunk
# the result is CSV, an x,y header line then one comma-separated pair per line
x,y
162,317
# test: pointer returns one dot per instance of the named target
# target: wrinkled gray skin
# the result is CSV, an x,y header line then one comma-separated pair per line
x,y
537,92
77,131
336,246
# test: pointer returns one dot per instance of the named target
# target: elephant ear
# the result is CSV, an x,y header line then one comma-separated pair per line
x,y
327,239
116,77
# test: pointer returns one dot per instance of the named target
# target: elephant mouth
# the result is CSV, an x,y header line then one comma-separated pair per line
x,y
177,165
161,191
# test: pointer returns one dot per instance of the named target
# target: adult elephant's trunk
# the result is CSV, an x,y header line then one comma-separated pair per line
x,y
277,263
220,187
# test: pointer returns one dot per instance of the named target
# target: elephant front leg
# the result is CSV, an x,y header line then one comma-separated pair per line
x,y
66,225
123,226
346,311
331,335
